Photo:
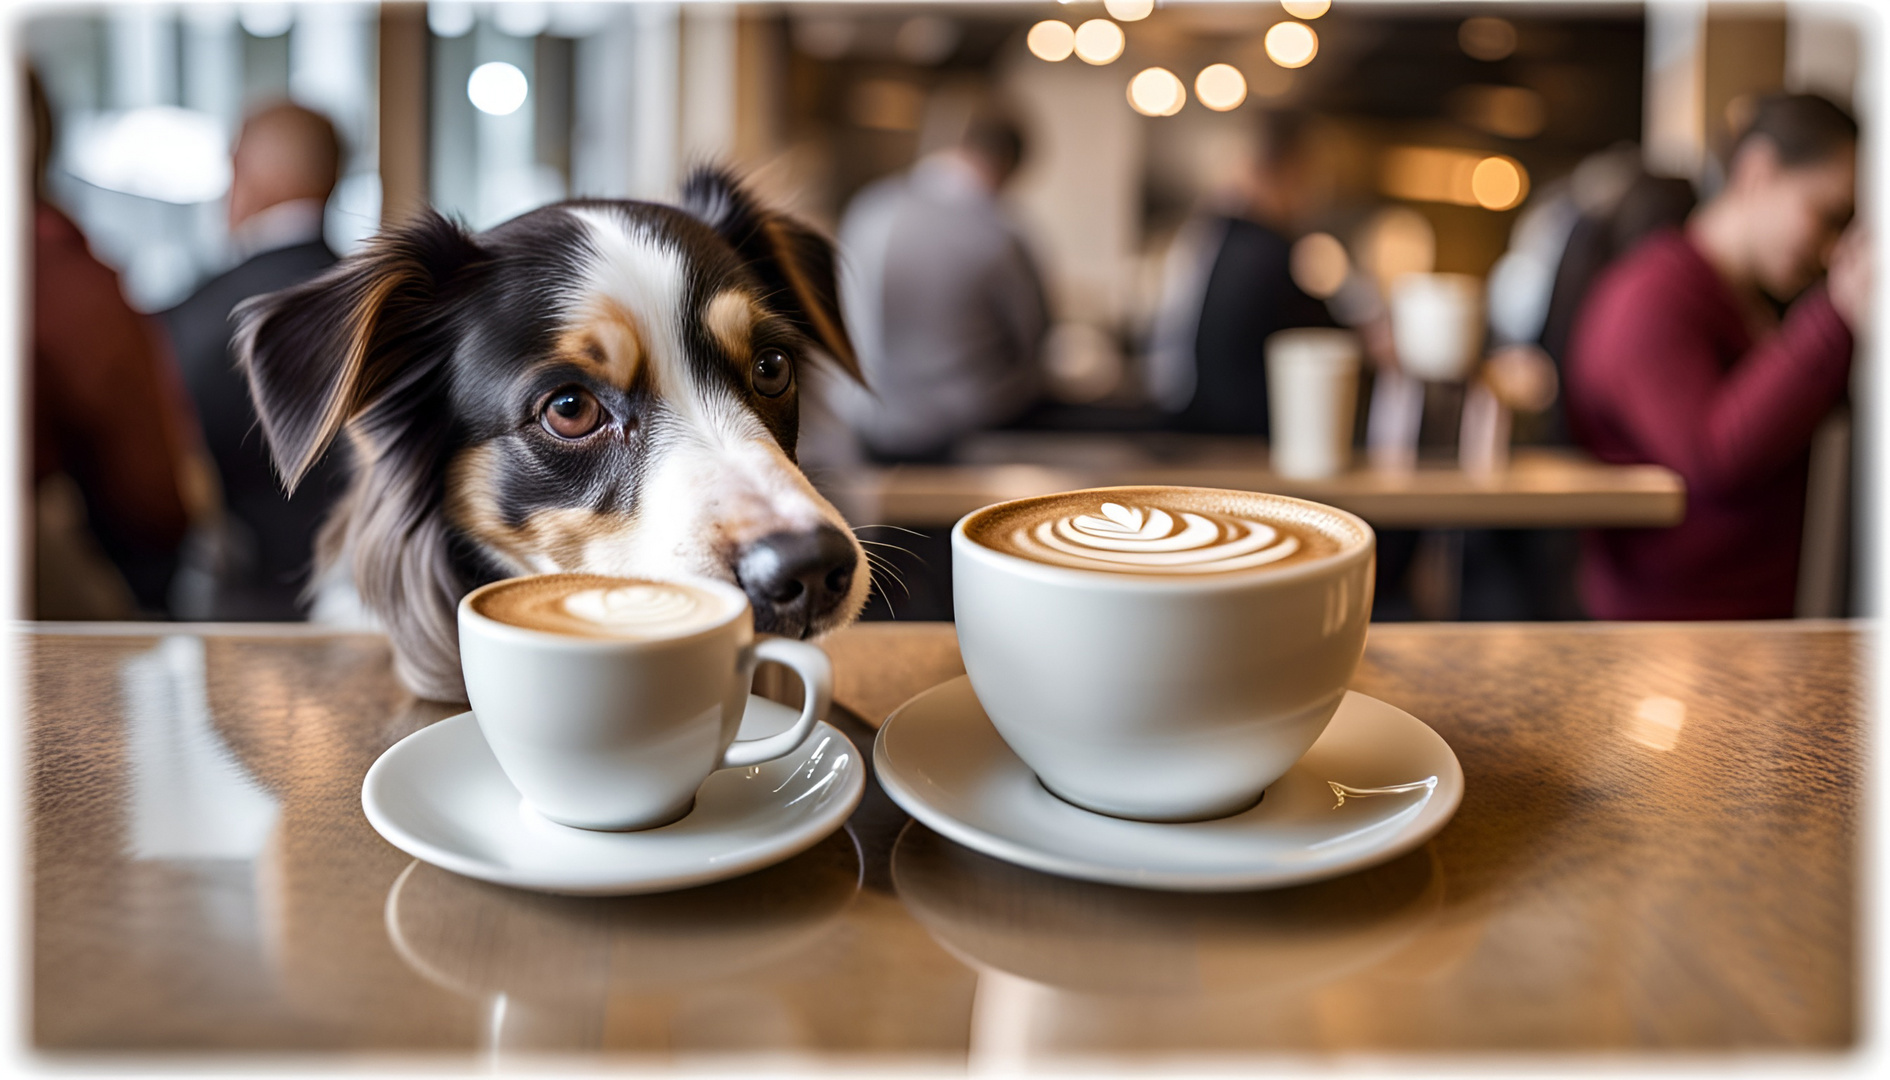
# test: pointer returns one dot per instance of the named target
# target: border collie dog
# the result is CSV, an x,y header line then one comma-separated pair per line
x,y
599,386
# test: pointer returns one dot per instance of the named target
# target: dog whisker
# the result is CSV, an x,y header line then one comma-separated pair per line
x,y
881,563
886,570
895,528
885,564
890,547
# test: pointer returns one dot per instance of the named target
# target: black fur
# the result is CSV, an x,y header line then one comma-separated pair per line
x,y
795,264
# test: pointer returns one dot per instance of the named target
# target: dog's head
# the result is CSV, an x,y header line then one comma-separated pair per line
x,y
597,386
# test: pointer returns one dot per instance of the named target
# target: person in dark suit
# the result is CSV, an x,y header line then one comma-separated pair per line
x,y
285,166
1231,288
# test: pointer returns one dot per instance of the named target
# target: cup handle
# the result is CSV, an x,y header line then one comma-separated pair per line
x,y
816,672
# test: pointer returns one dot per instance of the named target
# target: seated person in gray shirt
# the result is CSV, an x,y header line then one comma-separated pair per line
x,y
945,305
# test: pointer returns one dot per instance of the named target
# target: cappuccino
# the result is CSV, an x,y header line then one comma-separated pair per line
x,y
1161,653
1164,531
596,606
626,695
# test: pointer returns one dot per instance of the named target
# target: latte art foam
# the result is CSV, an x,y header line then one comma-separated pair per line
x,y
634,608
1152,540
1160,531
592,605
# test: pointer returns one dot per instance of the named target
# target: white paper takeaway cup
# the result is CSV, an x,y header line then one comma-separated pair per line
x,y
1437,325
1312,395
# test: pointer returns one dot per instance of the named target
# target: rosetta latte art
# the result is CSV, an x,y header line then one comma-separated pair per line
x,y
634,608
1150,540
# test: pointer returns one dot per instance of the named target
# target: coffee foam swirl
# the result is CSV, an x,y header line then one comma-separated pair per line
x,y
635,609
597,606
1151,540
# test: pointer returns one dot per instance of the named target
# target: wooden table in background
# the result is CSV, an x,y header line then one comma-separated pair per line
x,y
1656,851
1540,489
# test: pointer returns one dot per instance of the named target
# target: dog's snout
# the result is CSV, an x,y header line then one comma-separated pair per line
x,y
794,578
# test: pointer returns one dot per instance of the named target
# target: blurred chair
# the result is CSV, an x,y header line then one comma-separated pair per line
x,y
1229,285
283,171
944,302
117,468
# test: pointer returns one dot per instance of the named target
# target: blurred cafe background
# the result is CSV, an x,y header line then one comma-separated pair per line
x,y
1068,231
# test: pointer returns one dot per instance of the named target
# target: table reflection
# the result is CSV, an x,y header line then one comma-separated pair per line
x,y
1108,939
1061,962
548,968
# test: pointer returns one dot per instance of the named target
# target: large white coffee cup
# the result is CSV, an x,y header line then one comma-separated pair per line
x,y
618,732
1161,696
1312,396
1437,325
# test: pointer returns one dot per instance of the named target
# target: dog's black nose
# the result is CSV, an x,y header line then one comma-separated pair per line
x,y
794,578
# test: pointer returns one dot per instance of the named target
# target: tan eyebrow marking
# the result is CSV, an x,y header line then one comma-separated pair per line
x,y
606,338
558,534
730,317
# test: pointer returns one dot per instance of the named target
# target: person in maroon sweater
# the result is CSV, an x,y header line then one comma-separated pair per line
x,y
109,409
1684,355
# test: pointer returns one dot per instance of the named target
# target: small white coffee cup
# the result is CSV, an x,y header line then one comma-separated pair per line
x,y
1312,396
1437,325
617,733
1161,697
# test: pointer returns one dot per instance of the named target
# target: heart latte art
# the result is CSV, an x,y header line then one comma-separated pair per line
x,y
1151,539
591,605
635,608
1170,536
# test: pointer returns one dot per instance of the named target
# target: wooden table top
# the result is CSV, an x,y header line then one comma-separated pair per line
x,y
1541,489
1656,850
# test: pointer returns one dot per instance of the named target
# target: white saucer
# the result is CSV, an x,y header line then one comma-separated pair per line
x,y
1378,783
439,795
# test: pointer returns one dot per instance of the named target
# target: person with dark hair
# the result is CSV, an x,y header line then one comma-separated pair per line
x,y
1716,350
1230,286
943,299
286,163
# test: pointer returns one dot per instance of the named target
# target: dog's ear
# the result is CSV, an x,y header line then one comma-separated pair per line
x,y
318,353
795,263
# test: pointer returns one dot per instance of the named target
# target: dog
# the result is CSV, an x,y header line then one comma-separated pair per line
x,y
597,385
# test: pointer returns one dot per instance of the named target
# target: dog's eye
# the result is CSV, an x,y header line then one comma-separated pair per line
x,y
573,413
772,373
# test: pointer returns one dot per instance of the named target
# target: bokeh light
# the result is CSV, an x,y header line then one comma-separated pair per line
x,y
1319,264
1220,87
451,19
1052,40
1452,175
1498,183
1306,9
266,20
521,20
1157,92
1129,10
1487,38
497,88
1099,41
1291,44
1397,241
